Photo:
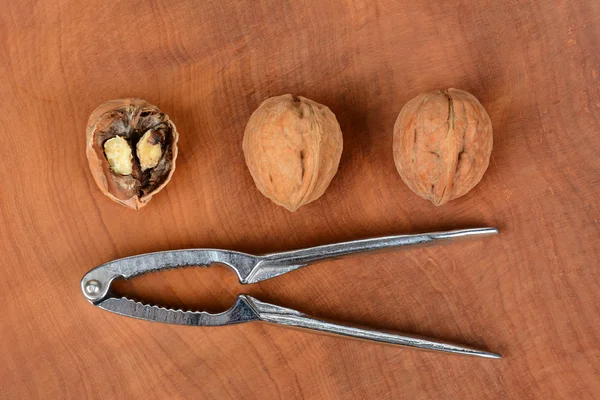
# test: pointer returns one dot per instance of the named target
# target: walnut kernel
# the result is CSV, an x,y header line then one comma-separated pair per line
x,y
149,150
118,154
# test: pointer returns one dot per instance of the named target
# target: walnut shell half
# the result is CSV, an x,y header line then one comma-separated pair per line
x,y
292,147
131,149
442,144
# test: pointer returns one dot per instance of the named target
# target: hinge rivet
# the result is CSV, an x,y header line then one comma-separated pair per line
x,y
92,288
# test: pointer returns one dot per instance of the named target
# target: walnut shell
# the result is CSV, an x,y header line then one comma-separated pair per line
x,y
292,147
442,144
131,149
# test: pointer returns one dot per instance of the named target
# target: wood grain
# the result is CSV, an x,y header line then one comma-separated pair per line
x,y
530,293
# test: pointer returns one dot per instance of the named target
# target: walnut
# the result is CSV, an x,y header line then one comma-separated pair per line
x,y
292,147
442,144
131,150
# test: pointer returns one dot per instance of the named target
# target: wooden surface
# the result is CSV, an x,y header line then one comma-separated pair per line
x,y
531,293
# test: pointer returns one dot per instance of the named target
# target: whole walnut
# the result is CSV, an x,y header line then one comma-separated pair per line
x,y
131,150
442,144
292,147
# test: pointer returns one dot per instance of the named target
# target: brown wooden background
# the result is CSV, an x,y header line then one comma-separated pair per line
x,y
531,293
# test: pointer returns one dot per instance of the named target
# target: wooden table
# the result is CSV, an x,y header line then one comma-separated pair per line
x,y
531,293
